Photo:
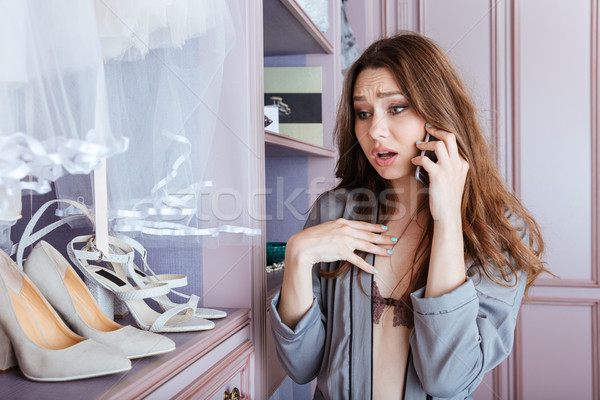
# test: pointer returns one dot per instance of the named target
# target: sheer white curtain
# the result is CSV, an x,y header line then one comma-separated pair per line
x,y
52,93
168,80
52,98
165,69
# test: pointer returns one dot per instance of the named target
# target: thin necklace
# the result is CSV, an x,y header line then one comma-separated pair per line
x,y
410,221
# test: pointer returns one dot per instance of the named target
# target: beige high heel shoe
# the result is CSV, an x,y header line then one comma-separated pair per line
x,y
7,355
44,347
67,293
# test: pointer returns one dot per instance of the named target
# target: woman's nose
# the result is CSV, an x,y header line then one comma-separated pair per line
x,y
379,128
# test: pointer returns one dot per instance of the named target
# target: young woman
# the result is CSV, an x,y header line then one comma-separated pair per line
x,y
395,289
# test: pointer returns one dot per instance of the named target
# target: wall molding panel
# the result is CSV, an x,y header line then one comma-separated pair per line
x,y
595,145
516,127
594,281
495,96
515,83
518,349
421,17
396,15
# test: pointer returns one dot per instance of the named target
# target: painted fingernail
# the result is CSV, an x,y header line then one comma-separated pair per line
x,y
390,252
394,239
384,227
428,125
375,271
419,142
412,159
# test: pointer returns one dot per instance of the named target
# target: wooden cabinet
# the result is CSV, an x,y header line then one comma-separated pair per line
x,y
231,376
204,364
296,172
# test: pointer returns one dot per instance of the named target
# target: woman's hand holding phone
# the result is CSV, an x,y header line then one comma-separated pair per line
x,y
447,176
421,174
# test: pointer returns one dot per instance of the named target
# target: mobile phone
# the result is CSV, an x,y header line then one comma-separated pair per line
x,y
422,175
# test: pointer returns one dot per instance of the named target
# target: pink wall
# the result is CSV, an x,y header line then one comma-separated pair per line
x,y
533,69
466,43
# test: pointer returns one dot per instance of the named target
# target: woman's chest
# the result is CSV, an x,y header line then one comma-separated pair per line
x,y
395,271
392,316
390,355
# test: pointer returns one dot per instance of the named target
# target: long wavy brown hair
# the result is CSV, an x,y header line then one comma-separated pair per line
x,y
436,93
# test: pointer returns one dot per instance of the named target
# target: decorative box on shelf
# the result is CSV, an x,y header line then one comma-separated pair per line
x,y
272,118
296,92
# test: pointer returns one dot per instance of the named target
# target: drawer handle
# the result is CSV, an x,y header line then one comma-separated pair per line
x,y
235,395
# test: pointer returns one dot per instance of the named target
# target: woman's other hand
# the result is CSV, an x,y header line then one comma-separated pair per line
x,y
338,240
327,242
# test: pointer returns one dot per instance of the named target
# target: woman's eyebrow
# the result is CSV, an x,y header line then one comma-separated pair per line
x,y
389,94
381,95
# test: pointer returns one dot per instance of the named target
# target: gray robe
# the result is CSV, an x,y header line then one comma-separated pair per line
x,y
457,337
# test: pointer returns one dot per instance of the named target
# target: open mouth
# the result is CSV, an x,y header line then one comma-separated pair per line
x,y
385,158
386,155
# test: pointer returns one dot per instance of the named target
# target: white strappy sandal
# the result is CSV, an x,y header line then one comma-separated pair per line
x,y
174,281
107,284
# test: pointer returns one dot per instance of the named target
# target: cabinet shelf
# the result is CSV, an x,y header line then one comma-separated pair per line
x,y
277,145
288,30
146,375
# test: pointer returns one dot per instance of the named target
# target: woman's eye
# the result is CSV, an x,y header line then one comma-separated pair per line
x,y
362,114
397,109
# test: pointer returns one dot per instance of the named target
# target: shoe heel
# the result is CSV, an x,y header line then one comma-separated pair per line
x,y
7,355
105,298
121,310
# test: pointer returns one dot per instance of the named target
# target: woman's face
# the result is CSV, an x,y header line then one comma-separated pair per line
x,y
385,126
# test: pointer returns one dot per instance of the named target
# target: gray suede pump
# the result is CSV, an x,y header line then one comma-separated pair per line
x,y
44,347
70,297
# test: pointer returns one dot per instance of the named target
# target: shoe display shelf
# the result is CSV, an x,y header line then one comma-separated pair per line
x,y
204,364
228,358
238,354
